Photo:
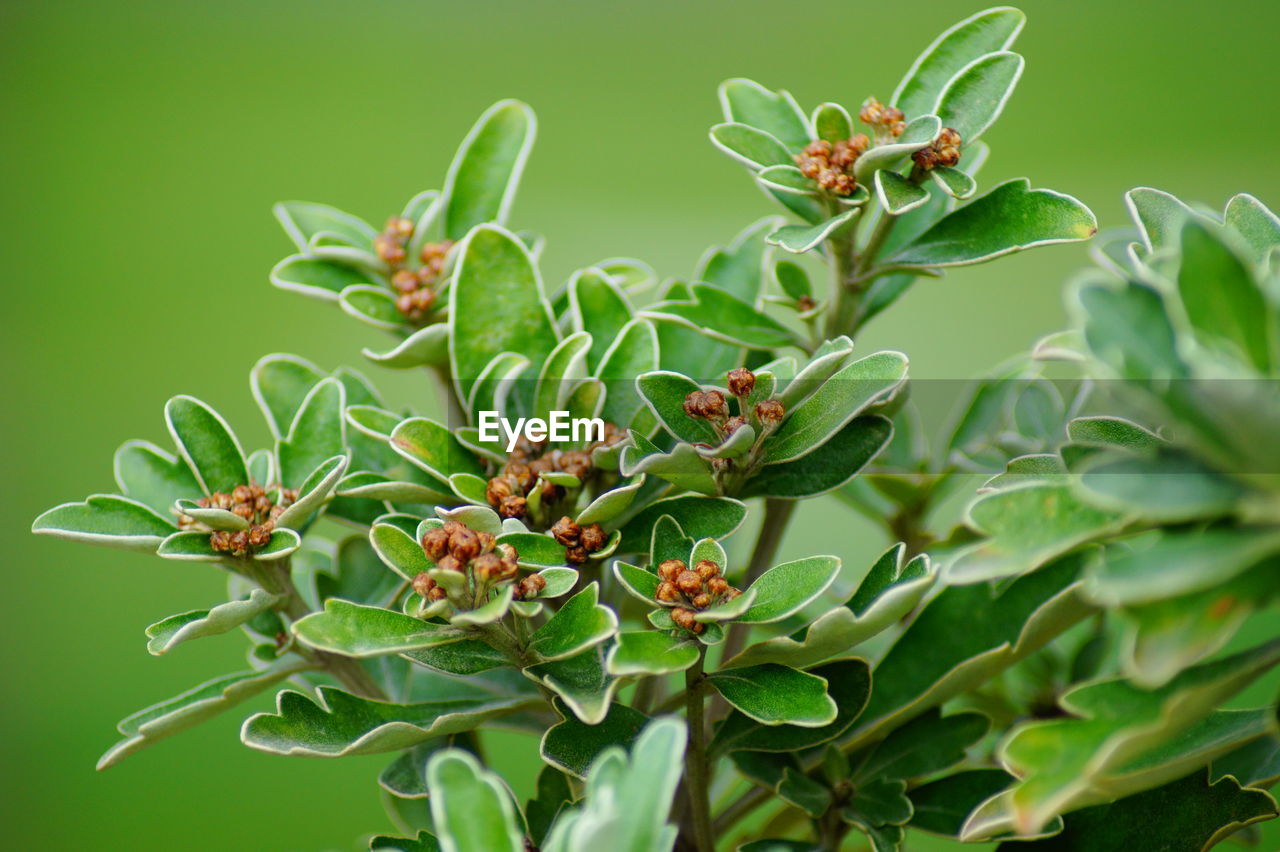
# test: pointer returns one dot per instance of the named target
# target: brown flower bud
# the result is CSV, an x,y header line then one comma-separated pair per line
x,y
702,601
399,227
707,569
693,405
770,411
218,500
435,543
513,507
689,582
733,424
242,494
243,510
240,542
566,531
437,594
435,252
670,569
422,584
497,488
388,250
404,281
464,544
520,475
731,593
741,381
717,586
259,536
593,538
532,586
872,112
576,462
487,541
667,592
684,619
488,567
575,555
449,562
262,504
220,540
713,404
510,561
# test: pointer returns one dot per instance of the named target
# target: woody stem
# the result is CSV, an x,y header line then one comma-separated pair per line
x,y
697,769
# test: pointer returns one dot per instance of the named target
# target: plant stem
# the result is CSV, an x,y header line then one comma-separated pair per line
x,y
777,514
696,768
849,275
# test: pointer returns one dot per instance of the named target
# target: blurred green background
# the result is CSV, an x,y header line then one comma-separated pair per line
x,y
143,143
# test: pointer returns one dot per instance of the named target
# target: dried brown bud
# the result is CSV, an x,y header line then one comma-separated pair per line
x,y
243,510
689,582
667,592
422,584
576,462
399,227
464,544
513,507
240,542
487,541
388,250
566,531
872,112
717,585
220,540
520,474
575,555
731,593
532,586
818,148
510,561
707,569
770,411
450,562
713,404
242,494
259,536
488,567
435,543
593,538
435,253
684,619
437,594
670,569
702,601
693,405
741,381
497,488
404,281
733,424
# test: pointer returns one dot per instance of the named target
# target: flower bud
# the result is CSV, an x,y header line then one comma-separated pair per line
x,y
693,404
513,507
566,531
670,569
689,582
404,281
488,567
464,544
240,543
741,381
707,569
242,494
684,619
435,543
399,227
702,601
220,540
423,584
667,592
497,488
733,424
593,538
713,404
717,586
450,562
770,412
487,541
575,555
259,536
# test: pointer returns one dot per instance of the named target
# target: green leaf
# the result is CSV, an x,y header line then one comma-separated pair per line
x,y
599,307
497,305
149,475
460,792
164,635
1009,218
1167,487
464,657
610,504
424,842
564,367
639,582
777,113
1223,303
207,443
354,630
488,612
279,384
721,315
841,398
318,278
834,464
627,800
974,98
849,685
923,746
754,148
1120,740
799,239
318,433
581,681
572,746
1185,814
535,550
648,653
579,624
373,305
1025,527
1159,216
831,122
433,448
634,351
683,467
879,802
106,519
341,724
482,180
803,792
954,182
942,806
776,695
160,721
1110,318
426,347
788,588
399,550
1259,227
931,662
304,220
697,516
890,591
919,133
896,194
974,37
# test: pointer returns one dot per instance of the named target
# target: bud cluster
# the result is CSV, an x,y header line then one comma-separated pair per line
x,y
474,554
830,166
943,153
415,288
711,405
254,504
508,491
692,590
579,541
887,119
